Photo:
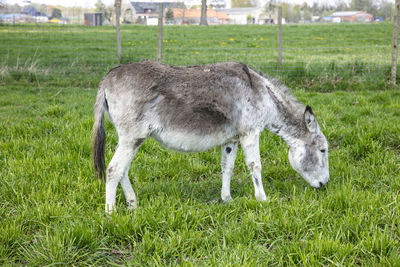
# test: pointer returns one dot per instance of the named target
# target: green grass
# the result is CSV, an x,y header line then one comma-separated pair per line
x,y
52,206
319,57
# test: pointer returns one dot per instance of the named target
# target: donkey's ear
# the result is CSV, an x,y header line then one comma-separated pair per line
x,y
310,120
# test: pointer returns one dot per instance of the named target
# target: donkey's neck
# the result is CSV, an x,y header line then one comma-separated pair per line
x,y
285,115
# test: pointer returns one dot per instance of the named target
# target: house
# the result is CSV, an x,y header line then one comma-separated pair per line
x,y
147,12
315,18
29,14
32,11
32,14
192,16
326,19
246,15
352,16
12,18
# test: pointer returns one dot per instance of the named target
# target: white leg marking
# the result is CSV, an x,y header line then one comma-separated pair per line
x,y
130,195
117,170
250,146
228,156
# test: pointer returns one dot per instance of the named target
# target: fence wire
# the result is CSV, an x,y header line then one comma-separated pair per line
x,y
311,51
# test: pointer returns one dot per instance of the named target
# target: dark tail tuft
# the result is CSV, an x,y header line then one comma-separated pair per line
x,y
99,135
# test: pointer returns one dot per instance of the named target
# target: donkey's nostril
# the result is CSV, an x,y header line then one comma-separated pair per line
x,y
320,184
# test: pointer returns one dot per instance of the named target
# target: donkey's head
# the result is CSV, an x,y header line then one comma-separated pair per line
x,y
308,155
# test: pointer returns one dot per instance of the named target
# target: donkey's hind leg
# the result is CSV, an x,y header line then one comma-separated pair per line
x,y
117,171
228,156
130,195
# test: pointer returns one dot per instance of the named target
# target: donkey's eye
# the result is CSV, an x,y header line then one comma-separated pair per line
x,y
323,150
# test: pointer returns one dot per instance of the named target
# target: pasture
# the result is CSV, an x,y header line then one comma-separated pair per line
x,y
52,206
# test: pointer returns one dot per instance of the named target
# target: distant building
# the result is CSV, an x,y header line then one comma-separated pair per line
x,y
12,18
315,18
352,16
32,11
93,19
192,16
32,14
147,12
246,15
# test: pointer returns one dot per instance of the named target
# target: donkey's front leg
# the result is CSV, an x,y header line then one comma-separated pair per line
x,y
228,156
250,146
117,170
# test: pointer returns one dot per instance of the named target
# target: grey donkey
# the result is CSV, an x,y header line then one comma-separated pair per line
x,y
195,108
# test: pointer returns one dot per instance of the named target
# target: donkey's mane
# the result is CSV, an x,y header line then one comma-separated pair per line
x,y
276,82
282,87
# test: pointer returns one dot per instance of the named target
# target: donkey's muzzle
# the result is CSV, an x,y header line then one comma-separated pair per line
x,y
322,184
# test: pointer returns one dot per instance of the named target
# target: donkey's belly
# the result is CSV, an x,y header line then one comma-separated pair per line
x,y
191,142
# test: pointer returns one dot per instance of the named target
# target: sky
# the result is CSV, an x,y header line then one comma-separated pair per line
x,y
90,3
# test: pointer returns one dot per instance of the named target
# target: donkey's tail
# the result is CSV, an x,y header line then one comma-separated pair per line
x,y
99,134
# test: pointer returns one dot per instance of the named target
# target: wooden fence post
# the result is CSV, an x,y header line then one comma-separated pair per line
x,y
117,5
394,42
160,30
279,36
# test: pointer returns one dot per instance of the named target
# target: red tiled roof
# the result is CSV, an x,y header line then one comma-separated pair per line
x,y
196,13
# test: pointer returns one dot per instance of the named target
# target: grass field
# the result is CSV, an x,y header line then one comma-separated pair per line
x,y
52,206
321,57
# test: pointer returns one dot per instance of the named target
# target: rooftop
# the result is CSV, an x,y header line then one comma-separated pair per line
x,y
196,13
346,13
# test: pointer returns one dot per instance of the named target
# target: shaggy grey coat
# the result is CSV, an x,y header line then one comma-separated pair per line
x,y
196,108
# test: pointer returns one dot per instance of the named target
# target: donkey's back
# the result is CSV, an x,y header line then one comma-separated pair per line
x,y
184,108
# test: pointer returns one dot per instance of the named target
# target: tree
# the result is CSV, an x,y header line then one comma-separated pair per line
x,y
364,5
105,11
385,10
292,13
297,14
99,6
243,3
341,6
169,15
203,19
269,9
16,8
307,16
42,9
128,16
56,13
284,10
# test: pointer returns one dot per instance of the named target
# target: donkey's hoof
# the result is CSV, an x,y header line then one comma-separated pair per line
x,y
110,208
110,211
132,204
261,197
226,199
